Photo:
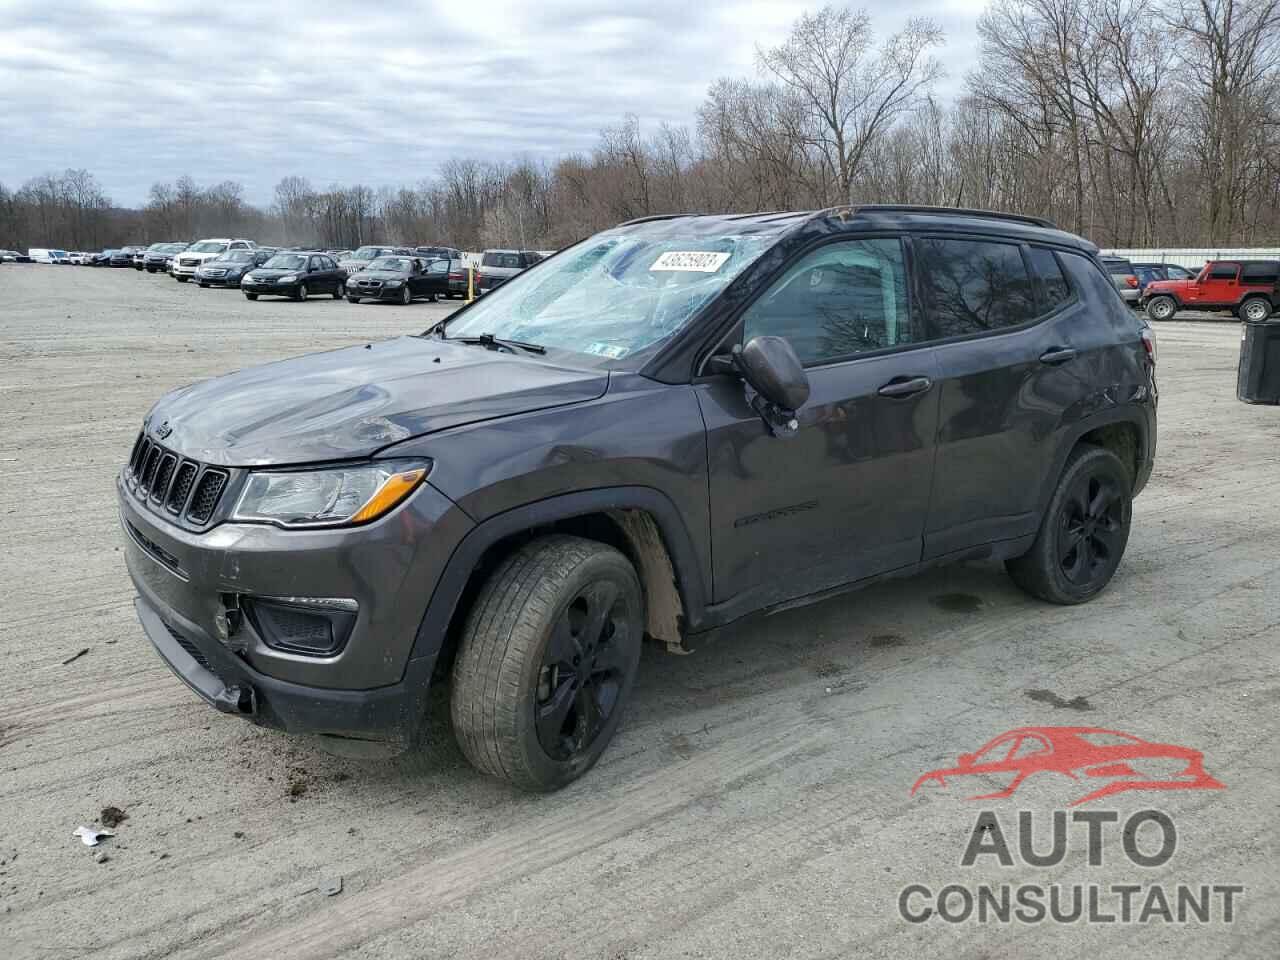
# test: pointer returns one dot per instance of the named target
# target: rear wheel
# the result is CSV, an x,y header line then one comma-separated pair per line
x,y
1083,532
1254,309
1162,308
546,661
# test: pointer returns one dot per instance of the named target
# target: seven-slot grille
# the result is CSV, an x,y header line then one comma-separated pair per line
x,y
183,487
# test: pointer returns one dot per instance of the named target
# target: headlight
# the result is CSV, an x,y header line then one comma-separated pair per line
x,y
351,281
289,279
330,497
392,284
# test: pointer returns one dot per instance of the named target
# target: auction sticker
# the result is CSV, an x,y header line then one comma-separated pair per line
x,y
698,261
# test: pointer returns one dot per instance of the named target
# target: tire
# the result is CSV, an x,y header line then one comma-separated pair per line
x,y
351,299
181,279
406,295
300,293
1162,308
203,286
1083,532
1254,309
251,296
337,291
557,600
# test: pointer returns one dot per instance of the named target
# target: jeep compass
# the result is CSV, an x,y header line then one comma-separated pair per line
x,y
660,430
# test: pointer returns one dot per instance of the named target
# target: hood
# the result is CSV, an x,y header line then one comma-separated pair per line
x,y
189,255
354,265
355,401
231,266
383,275
274,273
1168,286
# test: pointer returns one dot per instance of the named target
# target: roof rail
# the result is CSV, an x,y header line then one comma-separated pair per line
x,y
954,211
657,216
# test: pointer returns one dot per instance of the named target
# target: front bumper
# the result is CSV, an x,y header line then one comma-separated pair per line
x,y
270,289
181,270
191,585
375,293
223,281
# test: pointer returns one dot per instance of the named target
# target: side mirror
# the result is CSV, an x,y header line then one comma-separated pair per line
x,y
774,371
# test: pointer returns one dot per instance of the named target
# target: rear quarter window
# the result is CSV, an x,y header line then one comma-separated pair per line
x,y
1261,272
1055,291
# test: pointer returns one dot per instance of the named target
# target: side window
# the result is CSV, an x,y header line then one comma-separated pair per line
x,y
1223,271
977,285
1054,289
839,300
1268,272
315,264
439,266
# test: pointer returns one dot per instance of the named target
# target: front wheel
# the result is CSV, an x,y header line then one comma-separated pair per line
x,y
546,661
251,296
202,284
406,297
181,279
1083,532
351,299
1255,309
301,292
1162,308
337,292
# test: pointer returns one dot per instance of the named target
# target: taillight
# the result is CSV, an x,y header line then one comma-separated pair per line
x,y
1131,280
1149,344
457,276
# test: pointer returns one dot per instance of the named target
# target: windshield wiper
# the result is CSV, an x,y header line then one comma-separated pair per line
x,y
489,341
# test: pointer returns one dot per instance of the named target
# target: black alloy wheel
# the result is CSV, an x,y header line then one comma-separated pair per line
x,y
1090,528
583,671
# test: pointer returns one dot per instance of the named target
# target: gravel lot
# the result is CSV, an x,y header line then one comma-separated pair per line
x,y
756,802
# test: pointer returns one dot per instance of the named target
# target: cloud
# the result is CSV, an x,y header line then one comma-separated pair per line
x,y
140,91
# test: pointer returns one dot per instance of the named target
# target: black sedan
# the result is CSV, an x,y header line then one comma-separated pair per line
x,y
102,259
399,279
296,275
124,256
229,269
159,256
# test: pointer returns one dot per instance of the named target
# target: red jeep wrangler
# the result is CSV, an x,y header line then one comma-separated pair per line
x,y
1249,288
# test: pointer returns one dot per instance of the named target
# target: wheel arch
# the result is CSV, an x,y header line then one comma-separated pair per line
x,y
641,522
1123,431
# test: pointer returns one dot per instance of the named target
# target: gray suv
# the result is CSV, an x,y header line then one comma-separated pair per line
x,y
665,428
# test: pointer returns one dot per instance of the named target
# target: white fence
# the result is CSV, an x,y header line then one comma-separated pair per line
x,y
1195,256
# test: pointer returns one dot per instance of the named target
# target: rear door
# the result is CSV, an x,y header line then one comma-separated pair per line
x,y
845,497
1006,322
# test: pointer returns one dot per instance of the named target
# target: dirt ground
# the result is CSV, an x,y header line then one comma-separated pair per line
x,y
756,803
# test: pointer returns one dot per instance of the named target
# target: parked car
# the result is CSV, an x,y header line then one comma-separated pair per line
x,y
139,256
460,285
1125,279
499,266
14,256
185,264
670,425
45,255
102,259
1147,272
125,255
1248,288
438,253
158,257
295,275
229,269
366,255
399,279
78,258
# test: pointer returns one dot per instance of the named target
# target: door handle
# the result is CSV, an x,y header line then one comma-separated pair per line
x,y
1057,355
905,387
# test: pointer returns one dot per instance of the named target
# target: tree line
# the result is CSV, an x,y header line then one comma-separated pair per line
x,y
1133,122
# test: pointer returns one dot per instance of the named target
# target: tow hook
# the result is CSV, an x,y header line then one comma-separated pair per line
x,y
237,700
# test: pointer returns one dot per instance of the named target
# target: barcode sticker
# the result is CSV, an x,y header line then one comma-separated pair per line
x,y
698,261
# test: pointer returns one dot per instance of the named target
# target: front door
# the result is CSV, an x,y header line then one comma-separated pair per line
x,y
846,496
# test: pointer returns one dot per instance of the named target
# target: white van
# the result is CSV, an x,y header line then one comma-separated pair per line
x,y
41,255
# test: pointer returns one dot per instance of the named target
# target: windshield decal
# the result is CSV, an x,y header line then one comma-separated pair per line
x,y
611,350
700,261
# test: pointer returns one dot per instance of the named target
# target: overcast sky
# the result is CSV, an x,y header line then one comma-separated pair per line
x,y
371,92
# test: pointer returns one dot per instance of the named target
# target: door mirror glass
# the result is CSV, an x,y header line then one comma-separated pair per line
x,y
774,371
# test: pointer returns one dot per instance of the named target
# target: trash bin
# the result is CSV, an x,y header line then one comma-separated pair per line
x,y
1259,378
